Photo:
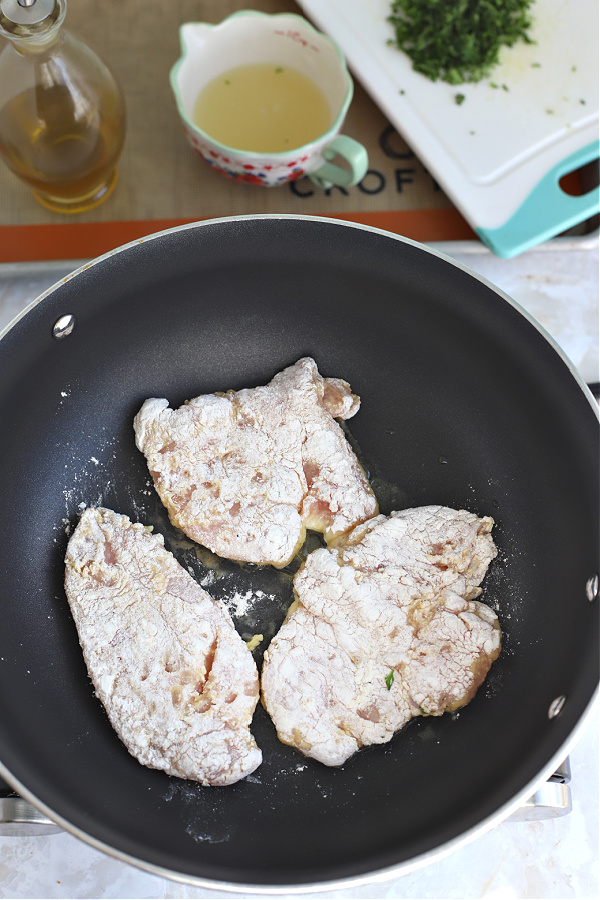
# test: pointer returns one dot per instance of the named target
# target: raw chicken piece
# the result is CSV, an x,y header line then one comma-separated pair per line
x,y
177,682
247,472
385,627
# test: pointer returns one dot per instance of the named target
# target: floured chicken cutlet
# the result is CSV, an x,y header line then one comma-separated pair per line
x,y
247,472
385,627
177,682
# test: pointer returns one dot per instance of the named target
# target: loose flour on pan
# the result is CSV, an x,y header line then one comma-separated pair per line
x,y
178,683
386,627
245,473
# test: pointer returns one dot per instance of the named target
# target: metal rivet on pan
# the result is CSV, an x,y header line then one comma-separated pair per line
x,y
556,706
64,326
591,588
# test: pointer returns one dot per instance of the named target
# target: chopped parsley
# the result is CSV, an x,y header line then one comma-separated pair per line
x,y
389,679
459,98
458,40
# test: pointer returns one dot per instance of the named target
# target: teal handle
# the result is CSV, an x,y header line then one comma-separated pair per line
x,y
547,210
355,155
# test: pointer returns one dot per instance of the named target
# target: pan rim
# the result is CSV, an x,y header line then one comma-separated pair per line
x,y
376,876
418,862
251,217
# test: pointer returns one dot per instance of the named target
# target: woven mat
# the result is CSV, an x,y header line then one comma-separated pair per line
x,y
161,178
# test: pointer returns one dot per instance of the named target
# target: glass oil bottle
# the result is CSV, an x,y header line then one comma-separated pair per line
x,y
62,116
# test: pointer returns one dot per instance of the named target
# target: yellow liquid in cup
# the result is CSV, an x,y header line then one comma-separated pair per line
x,y
263,108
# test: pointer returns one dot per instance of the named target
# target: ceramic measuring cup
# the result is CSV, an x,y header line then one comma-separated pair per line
x,y
250,37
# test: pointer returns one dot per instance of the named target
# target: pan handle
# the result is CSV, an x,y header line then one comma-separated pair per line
x,y
551,800
19,818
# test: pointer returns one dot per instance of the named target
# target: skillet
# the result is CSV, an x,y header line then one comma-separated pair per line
x,y
465,402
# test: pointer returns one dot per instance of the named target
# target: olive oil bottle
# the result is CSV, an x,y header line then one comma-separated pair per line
x,y
62,116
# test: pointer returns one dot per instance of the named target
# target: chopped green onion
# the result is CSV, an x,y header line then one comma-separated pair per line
x,y
458,40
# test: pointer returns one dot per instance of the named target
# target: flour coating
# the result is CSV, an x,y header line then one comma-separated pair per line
x,y
385,627
245,473
178,683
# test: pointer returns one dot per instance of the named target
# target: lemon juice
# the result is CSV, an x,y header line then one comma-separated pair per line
x,y
262,108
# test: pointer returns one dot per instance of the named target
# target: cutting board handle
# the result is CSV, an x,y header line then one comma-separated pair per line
x,y
547,211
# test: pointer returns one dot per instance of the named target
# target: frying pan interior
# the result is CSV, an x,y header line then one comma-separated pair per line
x,y
464,403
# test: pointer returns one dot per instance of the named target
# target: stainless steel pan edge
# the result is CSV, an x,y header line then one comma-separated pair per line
x,y
417,862
341,223
381,876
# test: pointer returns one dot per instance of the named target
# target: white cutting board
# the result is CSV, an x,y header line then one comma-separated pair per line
x,y
500,154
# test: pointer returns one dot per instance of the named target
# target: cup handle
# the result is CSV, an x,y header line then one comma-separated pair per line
x,y
355,155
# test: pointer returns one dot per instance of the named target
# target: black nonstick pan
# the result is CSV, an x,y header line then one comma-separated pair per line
x,y
465,402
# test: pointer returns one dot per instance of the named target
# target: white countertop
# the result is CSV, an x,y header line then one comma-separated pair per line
x,y
552,858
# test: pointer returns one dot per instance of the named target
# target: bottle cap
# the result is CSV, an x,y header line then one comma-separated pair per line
x,y
29,18
27,12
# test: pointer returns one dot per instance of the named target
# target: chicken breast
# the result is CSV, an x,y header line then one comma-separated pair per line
x,y
247,472
385,627
177,682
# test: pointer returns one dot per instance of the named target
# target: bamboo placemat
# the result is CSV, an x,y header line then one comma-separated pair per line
x,y
162,182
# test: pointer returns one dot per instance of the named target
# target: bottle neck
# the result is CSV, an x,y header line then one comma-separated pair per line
x,y
32,29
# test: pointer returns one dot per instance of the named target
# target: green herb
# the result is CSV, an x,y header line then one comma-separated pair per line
x,y
278,70
494,85
459,98
536,65
582,102
389,680
458,40
505,87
